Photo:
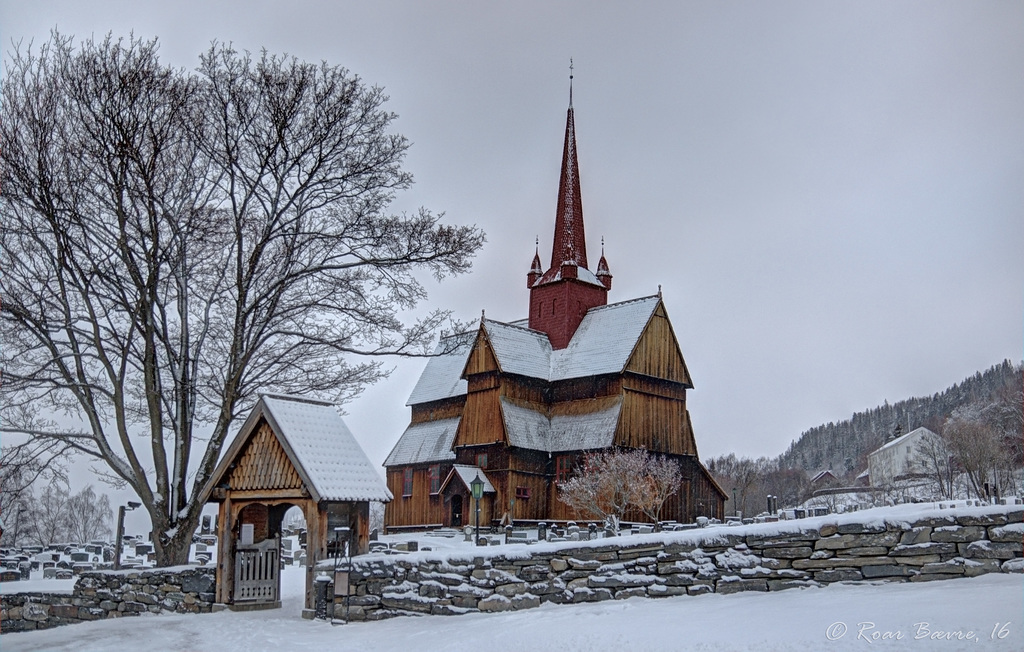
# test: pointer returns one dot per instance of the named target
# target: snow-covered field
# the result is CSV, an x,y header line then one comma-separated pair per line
x,y
987,611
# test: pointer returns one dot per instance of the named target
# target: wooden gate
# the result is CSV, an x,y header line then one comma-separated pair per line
x,y
258,573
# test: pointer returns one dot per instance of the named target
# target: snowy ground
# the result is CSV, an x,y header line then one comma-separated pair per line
x,y
983,608
983,613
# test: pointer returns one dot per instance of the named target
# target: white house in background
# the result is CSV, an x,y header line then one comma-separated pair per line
x,y
900,458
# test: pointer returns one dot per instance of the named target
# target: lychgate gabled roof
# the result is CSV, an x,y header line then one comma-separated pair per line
x,y
288,437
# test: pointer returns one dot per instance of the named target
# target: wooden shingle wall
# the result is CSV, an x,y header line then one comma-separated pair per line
x,y
264,465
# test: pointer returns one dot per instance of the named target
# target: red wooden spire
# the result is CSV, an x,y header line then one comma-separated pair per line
x,y
561,296
570,244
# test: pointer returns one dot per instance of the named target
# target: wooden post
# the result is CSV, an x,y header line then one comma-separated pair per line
x,y
225,548
362,528
313,526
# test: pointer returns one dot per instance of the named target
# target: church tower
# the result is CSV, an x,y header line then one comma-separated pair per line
x,y
561,296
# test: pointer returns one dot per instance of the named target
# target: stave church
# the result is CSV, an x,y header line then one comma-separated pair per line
x,y
520,404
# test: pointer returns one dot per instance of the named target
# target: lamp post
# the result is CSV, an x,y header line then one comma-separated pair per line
x,y
17,524
734,501
119,534
477,487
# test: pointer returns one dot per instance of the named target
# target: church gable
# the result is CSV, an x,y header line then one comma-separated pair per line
x,y
264,464
657,352
481,357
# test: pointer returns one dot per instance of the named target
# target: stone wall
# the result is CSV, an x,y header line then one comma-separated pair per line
x,y
768,557
111,594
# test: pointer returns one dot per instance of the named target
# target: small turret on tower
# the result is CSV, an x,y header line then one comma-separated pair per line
x,y
536,271
603,274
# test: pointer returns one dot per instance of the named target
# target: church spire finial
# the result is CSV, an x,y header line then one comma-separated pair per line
x,y
570,82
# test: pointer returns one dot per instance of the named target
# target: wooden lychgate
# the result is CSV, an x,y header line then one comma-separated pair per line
x,y
290,452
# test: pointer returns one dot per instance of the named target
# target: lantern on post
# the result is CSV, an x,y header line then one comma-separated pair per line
x,y
477,487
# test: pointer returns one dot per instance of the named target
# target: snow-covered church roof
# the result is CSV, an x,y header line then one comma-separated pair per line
x,y
601,345
429,441
531,429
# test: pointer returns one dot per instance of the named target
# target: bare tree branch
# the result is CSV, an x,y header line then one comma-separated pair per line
x,y
175,241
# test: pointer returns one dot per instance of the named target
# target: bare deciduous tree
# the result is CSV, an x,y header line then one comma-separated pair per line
x,y
611,482
660,479
89,516
175,242
47,515
937,461
602,487
24,466
976,446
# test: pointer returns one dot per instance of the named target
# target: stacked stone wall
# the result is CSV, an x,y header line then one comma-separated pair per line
x,y
111,594
719,560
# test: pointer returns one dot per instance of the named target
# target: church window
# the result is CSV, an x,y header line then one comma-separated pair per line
x,y
435,479
481,460
406,482
563,467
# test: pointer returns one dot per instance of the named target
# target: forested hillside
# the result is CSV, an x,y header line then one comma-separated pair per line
x,y
993,396
844,446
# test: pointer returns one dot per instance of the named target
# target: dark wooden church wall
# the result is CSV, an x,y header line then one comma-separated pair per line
x,y
437,410
421,508
656,423
583,388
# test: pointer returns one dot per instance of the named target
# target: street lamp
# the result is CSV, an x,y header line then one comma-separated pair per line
x,y
119,534
477,487
17,524
734,501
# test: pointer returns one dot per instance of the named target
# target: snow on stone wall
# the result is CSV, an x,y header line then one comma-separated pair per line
x,y
112,594
773,557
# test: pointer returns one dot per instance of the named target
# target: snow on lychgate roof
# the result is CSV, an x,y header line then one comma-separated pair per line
x,y
325,448
430,441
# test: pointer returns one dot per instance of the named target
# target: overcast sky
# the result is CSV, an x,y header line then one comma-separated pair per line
x,y
831,195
